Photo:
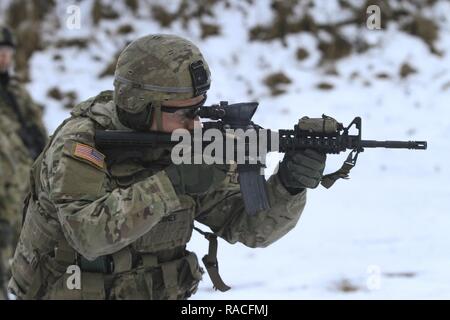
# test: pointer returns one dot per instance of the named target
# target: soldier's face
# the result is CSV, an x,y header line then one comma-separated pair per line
x,y
177,120
6,58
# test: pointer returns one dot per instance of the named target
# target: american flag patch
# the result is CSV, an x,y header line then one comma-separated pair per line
x,y
88,153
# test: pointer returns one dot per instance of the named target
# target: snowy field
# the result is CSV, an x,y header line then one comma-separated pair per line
x,y
383,234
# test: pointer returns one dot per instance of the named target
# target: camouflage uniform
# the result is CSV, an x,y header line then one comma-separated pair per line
x,y
128,214
122,219
22,137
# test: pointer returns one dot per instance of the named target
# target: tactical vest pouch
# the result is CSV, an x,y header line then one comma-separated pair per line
x,y
133,285
172,231
31,281
190,275
33,265
176,279
64,285
41,232
122,260
92,287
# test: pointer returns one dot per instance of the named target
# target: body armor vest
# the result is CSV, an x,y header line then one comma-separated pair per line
x,y
43,255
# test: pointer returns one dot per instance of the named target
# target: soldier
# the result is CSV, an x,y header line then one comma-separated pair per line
x,y
125,221
22,138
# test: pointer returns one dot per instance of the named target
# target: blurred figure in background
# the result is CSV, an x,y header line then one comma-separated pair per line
x,y
22,138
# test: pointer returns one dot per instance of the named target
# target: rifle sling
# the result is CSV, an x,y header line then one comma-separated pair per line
x,y
343,173
210,261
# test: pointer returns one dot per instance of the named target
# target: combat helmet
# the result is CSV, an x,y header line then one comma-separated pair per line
x,y
6,37
154,69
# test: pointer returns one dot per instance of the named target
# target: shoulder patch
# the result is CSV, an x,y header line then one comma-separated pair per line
x,y
83,151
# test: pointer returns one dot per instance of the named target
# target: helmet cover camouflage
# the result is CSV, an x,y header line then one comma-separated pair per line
x,y
157,68
6,37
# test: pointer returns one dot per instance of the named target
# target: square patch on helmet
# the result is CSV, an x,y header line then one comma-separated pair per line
x,y
200,79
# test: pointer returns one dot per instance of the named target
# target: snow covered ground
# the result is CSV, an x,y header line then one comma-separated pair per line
x,y
383,234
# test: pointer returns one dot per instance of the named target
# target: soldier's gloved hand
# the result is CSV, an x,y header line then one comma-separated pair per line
x,y
5,234
194,179
301,169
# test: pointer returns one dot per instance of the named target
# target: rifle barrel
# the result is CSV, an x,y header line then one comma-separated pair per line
x,y
418,145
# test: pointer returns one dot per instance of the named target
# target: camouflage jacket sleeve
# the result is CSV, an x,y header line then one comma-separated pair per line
x,y
97,219
223,211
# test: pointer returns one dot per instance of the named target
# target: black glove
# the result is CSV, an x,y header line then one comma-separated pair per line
x,y
301,169
194,179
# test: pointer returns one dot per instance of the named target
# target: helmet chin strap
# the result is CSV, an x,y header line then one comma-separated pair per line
x,y
158,115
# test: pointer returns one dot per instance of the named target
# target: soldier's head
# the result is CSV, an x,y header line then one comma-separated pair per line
x,y
160,80
7,46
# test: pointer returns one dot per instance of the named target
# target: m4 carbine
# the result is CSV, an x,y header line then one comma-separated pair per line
x,y
322,134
